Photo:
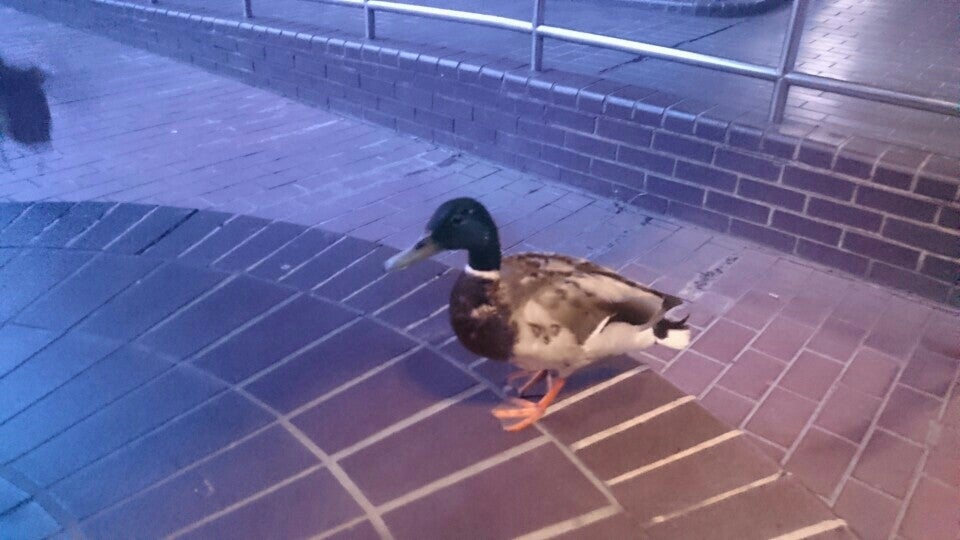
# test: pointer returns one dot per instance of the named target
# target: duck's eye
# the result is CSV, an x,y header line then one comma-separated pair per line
x,y
457,220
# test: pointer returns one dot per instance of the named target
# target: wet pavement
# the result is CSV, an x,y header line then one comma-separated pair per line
x,y
242,390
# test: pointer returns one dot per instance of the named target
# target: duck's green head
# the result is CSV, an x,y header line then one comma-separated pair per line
x,y
457,224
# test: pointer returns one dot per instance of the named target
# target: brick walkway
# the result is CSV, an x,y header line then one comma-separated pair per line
x,y
851,387
867,41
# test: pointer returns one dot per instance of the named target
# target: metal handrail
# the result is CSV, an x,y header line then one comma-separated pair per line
x,y
783,75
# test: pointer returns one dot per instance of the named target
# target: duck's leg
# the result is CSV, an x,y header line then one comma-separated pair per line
x,y
532,380
527,412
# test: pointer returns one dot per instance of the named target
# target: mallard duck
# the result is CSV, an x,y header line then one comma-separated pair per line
x,y
547,314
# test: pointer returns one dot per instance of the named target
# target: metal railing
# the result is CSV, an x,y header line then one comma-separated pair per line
x,y
783,76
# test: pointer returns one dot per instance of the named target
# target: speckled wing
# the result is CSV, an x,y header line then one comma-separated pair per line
x,y
554,294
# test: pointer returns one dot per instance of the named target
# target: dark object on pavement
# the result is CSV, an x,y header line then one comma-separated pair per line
x,y
24,112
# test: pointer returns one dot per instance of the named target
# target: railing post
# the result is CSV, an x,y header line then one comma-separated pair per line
x,y
248,9
788,59
369,20
536,40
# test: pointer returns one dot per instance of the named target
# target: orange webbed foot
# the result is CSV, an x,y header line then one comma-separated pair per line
x,y
518,414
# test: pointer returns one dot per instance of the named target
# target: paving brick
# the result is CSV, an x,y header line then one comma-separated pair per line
x,y
30,520
871,372
783,338
32,274
110,428
120,218
763,235
692,372
882,250
752,373
11,211
327,263
913,282
940,269
762,191
84,291
294,253
848,215
414,456
647,160
943,461
727,406
214,316
10,496
706,176
421,303
888,463
836,339
930,372
618,403
675,190
933,512
823,184
631,134
394,285
651,441
105,381
48,369
559,493
781,417
909,413
187,233
821,460
32,222
893,203
288,512
749,514
382,400
736,207
712,471
898,328
683,146
832,257
723,341
870,513
747,164
224,239
811,375
928,238
801,226
848,413
149,230
812,305
18,343
152,299
616,526
239,473
258,247
272,338
329,364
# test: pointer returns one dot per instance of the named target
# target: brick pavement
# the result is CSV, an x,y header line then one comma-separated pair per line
x,y
866,41
190,374
852,387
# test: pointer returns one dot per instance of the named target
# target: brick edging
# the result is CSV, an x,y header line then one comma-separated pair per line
x,y
710,8
877,210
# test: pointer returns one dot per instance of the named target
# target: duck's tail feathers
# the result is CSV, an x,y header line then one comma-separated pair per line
x,y
673,334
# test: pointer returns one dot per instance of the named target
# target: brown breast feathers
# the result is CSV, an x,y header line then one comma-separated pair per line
x,y
481,323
